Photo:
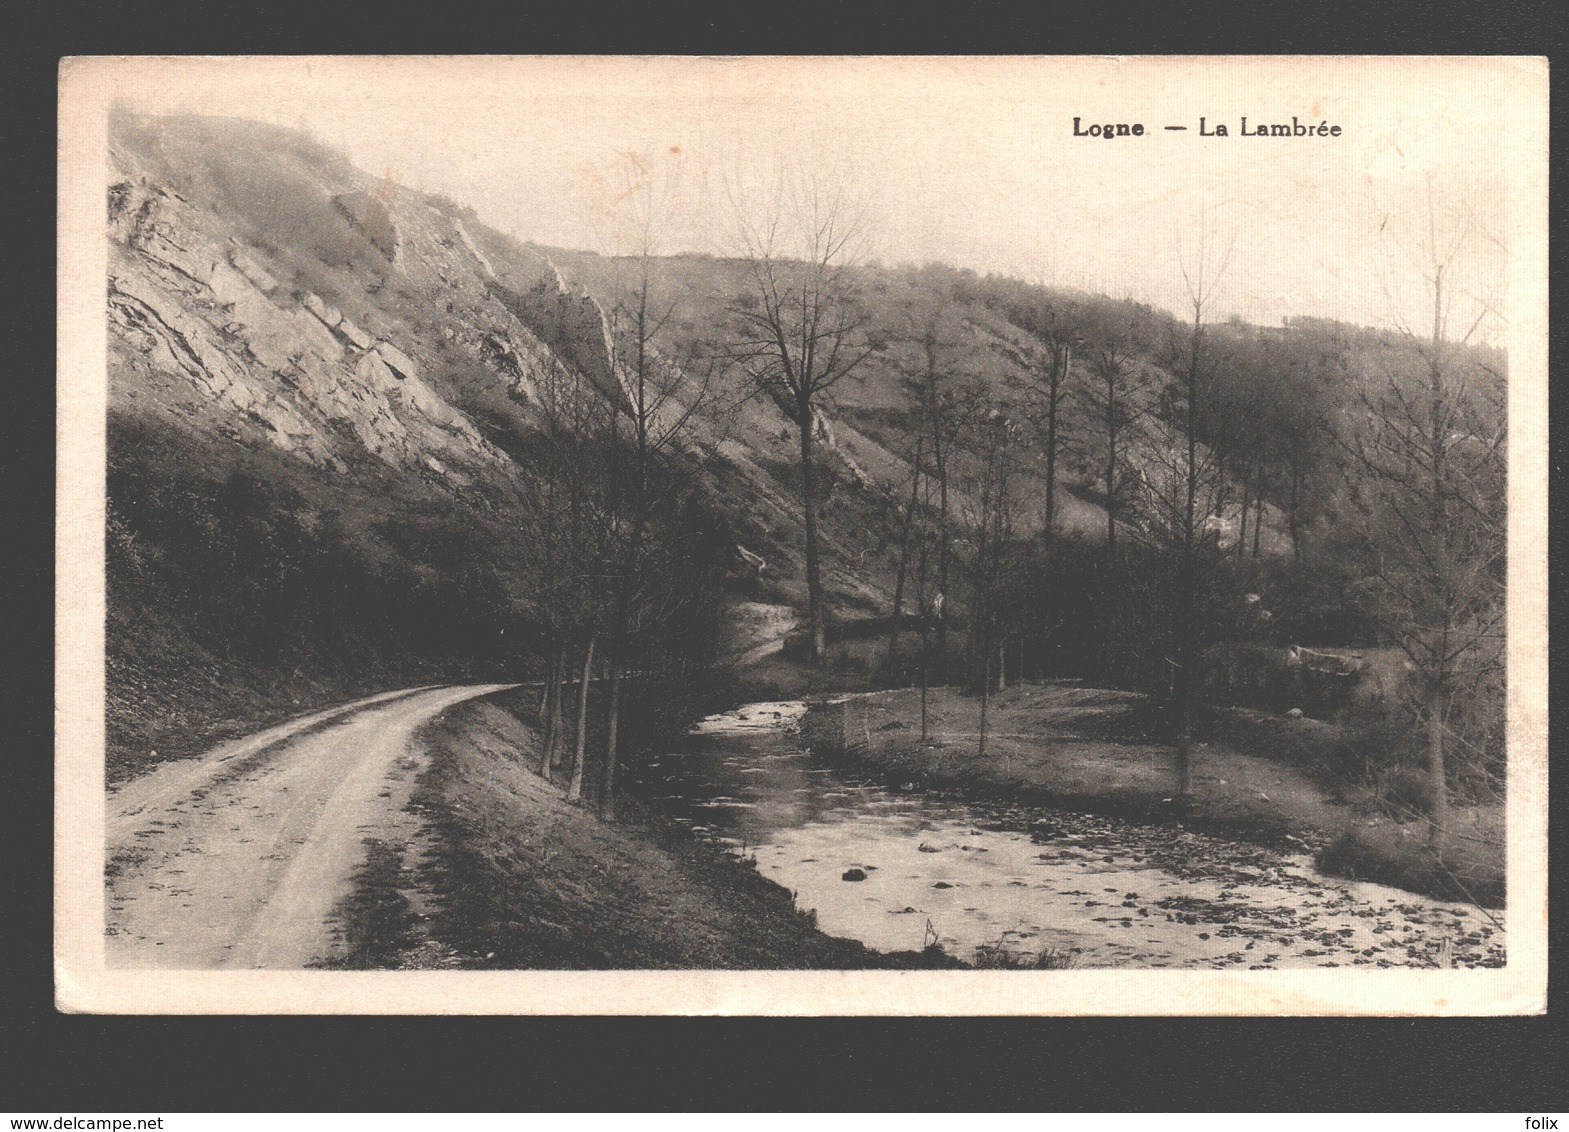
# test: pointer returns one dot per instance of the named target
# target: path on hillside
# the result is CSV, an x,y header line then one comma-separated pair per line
x,y
238,860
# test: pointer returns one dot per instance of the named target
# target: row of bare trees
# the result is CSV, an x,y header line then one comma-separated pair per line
x,y
1207,438
1201,439
617,574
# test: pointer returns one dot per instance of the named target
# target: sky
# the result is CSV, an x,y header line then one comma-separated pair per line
x,y
971,162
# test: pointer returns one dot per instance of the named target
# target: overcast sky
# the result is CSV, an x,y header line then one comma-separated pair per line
x,y
971,162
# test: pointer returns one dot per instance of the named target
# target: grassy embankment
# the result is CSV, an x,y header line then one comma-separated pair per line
x,y
506,875
245,588
1264,778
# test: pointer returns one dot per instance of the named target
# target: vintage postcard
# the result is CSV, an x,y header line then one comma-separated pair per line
x,y
661,535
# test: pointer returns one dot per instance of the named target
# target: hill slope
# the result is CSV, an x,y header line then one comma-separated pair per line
x,y
324,423
330,422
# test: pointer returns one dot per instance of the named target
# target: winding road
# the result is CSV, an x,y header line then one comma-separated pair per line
x,y
237,860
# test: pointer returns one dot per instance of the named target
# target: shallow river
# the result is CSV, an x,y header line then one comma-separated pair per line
x,y
1099,891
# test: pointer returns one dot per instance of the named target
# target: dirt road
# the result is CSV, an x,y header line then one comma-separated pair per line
x,y
238,859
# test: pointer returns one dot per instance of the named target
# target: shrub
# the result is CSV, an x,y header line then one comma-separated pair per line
x,y
999,957
1384,856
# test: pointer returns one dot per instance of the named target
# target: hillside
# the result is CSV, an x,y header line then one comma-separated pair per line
x,y
338,409
324,427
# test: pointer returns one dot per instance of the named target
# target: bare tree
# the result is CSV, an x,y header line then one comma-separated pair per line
x,y
1428,441
934,381
553,528
907,531
571,543
653,407
800,330
1114,399
923,590
993,440
1056,327
928,372
1182,485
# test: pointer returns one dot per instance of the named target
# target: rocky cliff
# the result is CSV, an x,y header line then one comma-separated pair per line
x,y
223,334
324,403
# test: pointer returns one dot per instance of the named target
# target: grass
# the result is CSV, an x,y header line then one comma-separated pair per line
x,y
998,956
1464,871
376,923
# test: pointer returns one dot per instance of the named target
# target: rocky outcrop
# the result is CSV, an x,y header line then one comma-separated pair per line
x,y
468,242
329,315
518,358
371,213
575,327
353,335
396,360
222,341
265,296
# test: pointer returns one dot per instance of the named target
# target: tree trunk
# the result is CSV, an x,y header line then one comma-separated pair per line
x,y
1438,696
1292,519
559,748
1186,649
898,612
1111,473
544,716
575,790
607,782
1438,832
1242,523
943,554
1187,603
986,689
552,715
1002,666
904,557
926,635
814,585
1258,522
1059,370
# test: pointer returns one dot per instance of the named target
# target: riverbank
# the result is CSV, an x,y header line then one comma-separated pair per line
x,y
1258,778
505,874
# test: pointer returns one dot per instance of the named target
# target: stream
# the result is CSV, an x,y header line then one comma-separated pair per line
x,y
897,868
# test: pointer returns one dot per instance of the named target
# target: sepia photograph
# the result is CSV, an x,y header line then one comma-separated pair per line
x,y
863,535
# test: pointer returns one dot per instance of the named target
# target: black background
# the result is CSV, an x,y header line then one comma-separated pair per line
x,y
53,1063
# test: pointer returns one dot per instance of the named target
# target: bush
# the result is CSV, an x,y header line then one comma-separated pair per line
x,y
998,957
255,570
1384,856
1406,788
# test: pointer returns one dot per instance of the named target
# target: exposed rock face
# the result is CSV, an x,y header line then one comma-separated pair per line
x,y
371,212
572,323
354,335
468,242
203,327
397,361
330,316
365,331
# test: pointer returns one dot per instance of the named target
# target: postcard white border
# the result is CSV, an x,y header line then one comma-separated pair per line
x,y
85,984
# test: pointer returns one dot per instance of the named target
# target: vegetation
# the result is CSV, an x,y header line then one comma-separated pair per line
x,y
799,330
1034,481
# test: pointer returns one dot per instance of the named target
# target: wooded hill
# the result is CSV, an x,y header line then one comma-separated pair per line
x,y
357,436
